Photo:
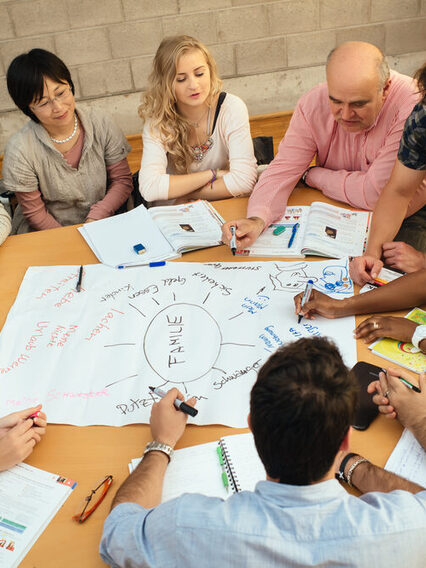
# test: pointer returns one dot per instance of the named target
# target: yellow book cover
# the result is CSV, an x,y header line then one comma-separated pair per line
x,y
400,351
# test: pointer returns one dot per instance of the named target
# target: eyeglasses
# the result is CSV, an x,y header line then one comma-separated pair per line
x,y
46,103
92,501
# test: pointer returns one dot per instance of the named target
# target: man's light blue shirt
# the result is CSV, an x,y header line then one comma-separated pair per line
x,y
276,525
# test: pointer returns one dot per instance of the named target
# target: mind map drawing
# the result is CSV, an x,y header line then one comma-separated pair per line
x,y
203,328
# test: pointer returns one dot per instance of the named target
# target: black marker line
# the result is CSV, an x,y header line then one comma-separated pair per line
x,y
241,344
119,380
206,298
217,369
117,344
154,300
235,316
142,314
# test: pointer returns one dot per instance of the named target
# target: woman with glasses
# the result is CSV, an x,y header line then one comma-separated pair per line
x,y
66,165
196,140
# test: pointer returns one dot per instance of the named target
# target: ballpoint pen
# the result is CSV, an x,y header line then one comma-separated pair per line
x,y
293,234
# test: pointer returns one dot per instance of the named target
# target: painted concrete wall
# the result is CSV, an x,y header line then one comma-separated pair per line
x,y
269,53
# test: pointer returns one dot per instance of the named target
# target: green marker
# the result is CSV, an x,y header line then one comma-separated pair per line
x,y
225,479
278,230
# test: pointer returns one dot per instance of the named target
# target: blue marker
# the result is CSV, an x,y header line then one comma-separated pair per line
x,y
293,234
306,296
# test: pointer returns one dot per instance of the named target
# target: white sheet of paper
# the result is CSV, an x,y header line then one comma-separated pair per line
x,y
89,357
408,459
112,239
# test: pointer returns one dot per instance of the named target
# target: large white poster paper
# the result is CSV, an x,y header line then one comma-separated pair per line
x,y
89,357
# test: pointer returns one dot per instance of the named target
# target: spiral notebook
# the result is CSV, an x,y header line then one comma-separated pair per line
x,y
198,469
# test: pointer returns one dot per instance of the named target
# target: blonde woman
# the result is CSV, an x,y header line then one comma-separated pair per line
x,y
196,140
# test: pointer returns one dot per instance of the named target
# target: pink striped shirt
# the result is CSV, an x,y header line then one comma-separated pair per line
x,y
352,167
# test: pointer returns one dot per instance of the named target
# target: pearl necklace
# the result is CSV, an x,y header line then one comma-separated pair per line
x,y
69,137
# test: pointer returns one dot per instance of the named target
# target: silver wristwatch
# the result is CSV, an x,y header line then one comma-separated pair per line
x,y
159,447
418,335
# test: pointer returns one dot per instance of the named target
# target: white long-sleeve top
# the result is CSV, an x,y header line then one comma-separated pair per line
x,y
232,150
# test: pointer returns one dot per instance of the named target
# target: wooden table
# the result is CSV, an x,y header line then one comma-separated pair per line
x,y
87,454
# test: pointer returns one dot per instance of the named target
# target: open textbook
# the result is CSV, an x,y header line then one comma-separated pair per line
x,y
215,469
29,499
164,233
321,230
401,352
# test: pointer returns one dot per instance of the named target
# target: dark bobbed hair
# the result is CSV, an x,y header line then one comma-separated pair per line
x,y
26,73
420,77
301,407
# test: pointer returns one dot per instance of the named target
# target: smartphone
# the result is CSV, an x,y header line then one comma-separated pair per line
x,y
366,410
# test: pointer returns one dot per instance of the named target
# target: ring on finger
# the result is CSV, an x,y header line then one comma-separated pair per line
x,y
386,395
375,325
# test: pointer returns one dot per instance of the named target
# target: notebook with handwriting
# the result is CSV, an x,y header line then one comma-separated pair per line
x,y
198,469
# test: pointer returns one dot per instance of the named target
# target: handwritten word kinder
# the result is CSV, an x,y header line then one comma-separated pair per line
x,y
103,324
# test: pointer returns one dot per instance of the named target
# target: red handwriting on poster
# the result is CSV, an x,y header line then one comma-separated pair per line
x,y
61,335
103,324
58,285
67,298
54,394
32,343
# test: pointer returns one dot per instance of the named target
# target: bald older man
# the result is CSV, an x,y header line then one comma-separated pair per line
x,y
352,124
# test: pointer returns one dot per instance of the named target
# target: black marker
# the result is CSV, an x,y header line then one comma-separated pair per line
x,y
80,277
180,405
233,244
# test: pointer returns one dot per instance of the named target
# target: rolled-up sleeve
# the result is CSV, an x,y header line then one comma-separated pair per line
x,y
153,179
135,537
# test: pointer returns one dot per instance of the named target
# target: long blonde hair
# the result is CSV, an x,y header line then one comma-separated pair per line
x,y
159,102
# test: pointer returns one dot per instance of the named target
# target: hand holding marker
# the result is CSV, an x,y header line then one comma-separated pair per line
x,y
179,404
306,296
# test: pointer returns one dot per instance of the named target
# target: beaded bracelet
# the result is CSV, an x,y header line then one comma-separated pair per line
x,y
214,172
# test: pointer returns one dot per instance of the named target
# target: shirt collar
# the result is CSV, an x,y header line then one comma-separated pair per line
x,y
287,494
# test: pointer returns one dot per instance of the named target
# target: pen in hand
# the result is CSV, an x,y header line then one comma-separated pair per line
x,y
233,243
409,385
80,277
179,404
305,297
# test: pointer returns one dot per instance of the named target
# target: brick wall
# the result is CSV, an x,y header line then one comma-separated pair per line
x,y
269,53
